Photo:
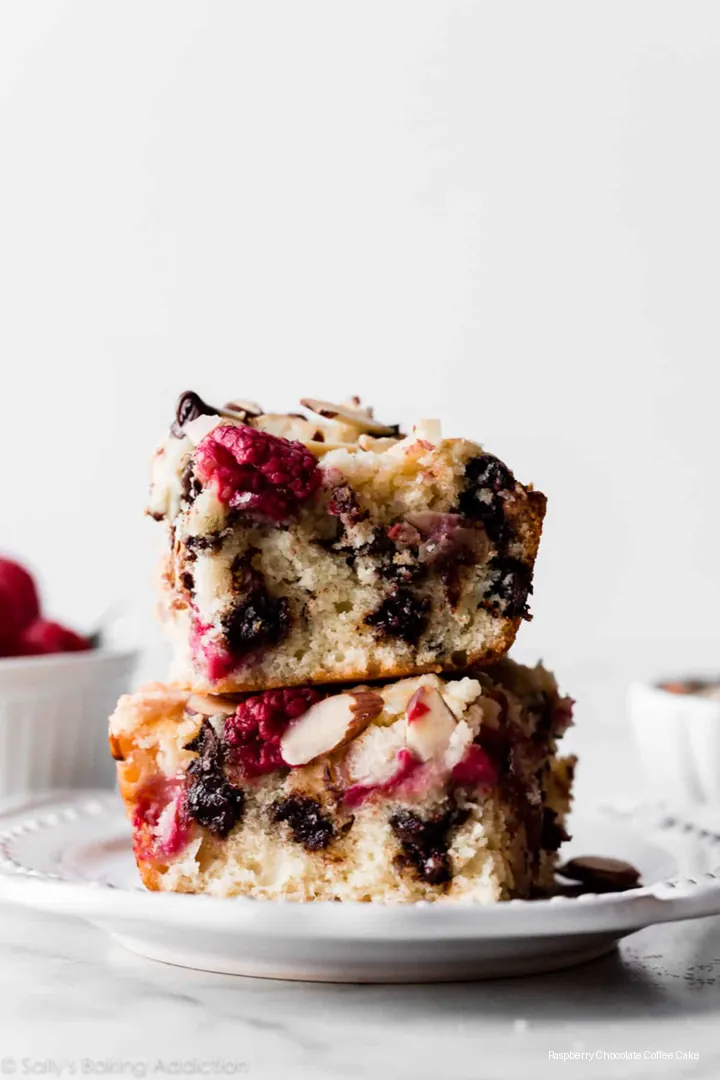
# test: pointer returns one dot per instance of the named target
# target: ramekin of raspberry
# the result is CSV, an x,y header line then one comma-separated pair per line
x,y
676,722
56,689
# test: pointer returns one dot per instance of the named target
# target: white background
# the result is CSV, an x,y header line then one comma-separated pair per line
x,y
505,215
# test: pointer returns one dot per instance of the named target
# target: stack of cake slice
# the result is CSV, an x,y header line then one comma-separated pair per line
x,y
342,721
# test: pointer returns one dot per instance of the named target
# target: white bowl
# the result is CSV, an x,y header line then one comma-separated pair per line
x,y
678,736
53,718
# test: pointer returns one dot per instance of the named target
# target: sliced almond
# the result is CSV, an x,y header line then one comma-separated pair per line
x,y
240,408
378,445
297,428
398,694
331,723
428,430
207,705
372,758
367,703
361,419
430,724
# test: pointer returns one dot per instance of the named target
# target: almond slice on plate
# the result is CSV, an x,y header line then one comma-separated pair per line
x,y
331,723
359,418
430,724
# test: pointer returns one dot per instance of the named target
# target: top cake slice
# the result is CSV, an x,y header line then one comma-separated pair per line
x,y
332,548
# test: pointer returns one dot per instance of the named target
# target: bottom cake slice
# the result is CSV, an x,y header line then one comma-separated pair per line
x,y
424,789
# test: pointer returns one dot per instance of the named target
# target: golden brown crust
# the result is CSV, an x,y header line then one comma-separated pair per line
x,y
235,685
141,725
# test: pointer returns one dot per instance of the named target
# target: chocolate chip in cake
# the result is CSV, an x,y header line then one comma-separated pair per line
x,y
190,486
425,842
402,571
211,800
210,542
304,817
402,614
601,874
511,588
258,618
190,405
487,480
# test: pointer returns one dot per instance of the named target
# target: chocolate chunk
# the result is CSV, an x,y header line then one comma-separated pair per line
x,y
487,480
190,405
308,824
601,874
258,618
512,586
425,843
561,889
211,800
211,542
402,615
190,486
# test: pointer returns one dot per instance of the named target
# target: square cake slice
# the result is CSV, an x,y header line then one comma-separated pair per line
x,y
429,788
332,549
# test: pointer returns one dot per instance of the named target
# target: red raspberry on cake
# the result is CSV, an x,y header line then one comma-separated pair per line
x,y
255,471
254,731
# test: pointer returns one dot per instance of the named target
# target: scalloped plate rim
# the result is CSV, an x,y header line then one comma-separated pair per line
x,y
97,901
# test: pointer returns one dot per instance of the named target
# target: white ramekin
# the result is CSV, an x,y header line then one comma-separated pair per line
x,y
678,736
53,718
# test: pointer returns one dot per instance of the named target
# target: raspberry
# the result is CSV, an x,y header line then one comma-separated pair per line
x,y
407,765
254,730
44,636
256,471
216,660
19,604
151,802
476,769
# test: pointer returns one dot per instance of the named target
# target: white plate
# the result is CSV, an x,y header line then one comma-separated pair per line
x,y
69,853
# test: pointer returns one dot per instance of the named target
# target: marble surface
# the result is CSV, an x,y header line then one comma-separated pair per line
x,y
75,1003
